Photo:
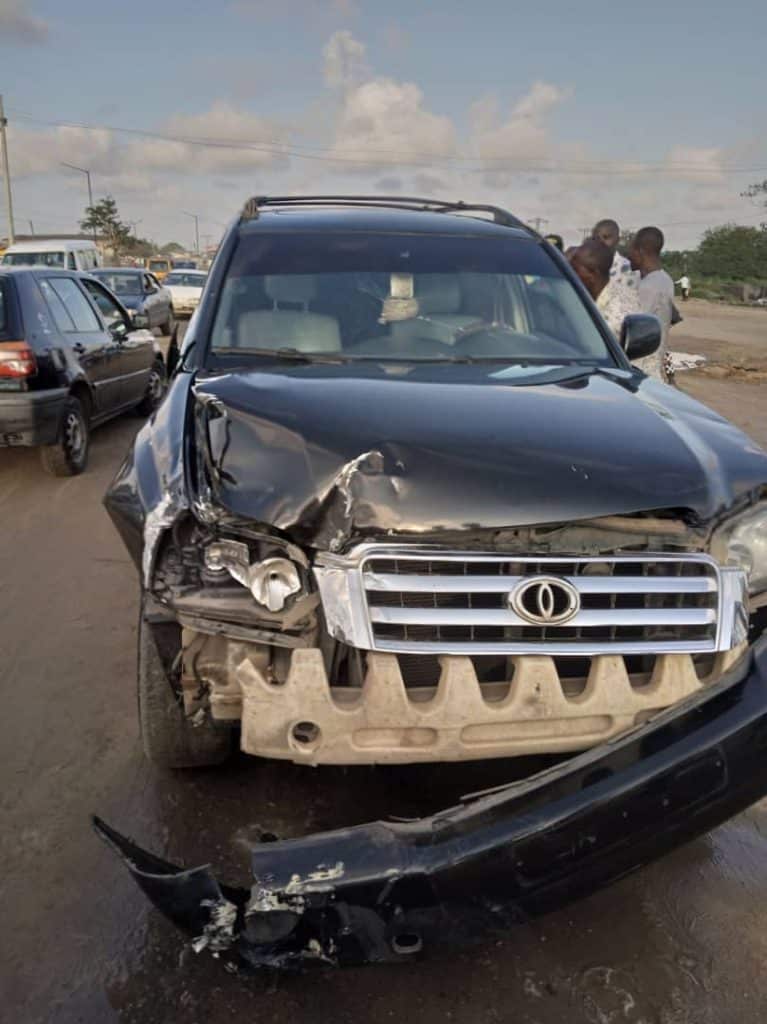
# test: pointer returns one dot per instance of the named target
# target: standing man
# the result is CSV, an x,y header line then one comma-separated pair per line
x,y
684,284
608,232
592,262
656,292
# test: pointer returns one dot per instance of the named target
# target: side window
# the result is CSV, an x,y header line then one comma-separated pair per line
x,y
150,284
113,315
75,303
71,265
61,318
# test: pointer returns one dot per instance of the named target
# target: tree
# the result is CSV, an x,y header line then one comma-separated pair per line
x,y
170,247
103,219
757,191
733,251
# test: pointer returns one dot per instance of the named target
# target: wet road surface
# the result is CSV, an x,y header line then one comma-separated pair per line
x,y
681,942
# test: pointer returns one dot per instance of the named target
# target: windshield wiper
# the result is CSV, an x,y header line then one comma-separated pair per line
x,y
292,355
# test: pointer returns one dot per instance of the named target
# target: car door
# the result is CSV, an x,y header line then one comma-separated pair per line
x,y
137,351
162,299
89,343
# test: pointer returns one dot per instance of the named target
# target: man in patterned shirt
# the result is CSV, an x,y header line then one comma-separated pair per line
x,y
592,262
621,296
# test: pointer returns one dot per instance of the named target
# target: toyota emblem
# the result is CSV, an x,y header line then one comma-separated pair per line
x,y
545,601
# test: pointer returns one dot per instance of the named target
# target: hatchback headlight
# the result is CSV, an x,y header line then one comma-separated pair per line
x,y
742,541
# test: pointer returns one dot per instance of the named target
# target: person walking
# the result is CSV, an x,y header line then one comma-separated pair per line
x,y
684,284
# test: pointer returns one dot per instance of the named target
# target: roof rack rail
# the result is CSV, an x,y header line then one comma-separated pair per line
x,y
500,216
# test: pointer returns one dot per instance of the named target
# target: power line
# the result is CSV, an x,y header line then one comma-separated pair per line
x,y
332,155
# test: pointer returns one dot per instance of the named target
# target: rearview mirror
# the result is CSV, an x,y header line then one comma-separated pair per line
x,y
140,321
640,335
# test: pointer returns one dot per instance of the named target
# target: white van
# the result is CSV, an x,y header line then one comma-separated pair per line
x,y
60,254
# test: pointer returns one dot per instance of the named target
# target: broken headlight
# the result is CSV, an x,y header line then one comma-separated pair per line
x,y
271,581
742,541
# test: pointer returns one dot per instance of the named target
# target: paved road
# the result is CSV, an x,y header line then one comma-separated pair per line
x,y
680,942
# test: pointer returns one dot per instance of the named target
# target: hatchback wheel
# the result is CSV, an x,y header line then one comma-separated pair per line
x,y
69,455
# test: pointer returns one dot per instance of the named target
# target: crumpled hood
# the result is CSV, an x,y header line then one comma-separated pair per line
x,y
327,453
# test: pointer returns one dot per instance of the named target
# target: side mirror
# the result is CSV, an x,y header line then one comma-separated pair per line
x,y
640,335
140,321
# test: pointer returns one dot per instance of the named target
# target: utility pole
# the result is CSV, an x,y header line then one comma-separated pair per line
x,y
537,222
6,174
31,228
87,173
196,220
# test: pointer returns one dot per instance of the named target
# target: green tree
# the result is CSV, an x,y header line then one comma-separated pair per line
x,y
757,191
170,247
733,251
103,219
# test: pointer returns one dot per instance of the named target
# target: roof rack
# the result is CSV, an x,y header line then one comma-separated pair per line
x,y
500,216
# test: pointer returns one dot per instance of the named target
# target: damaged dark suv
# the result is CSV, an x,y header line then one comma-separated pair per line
x,y
407,500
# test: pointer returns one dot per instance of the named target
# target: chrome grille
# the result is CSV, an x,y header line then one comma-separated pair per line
x,y
424,600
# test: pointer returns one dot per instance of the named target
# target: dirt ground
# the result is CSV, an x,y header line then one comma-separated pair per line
x,y
683,941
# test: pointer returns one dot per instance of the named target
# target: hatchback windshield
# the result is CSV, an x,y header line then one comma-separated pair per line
x,y
35,259
121,283
411,297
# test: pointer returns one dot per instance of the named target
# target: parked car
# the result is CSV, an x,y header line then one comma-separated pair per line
x,y
58,253
142,294
185,287
160,266
71,357
408,501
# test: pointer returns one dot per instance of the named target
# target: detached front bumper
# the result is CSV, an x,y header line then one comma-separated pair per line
x,y
387,891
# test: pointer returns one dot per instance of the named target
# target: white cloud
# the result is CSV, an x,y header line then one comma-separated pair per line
x,y
523,137
19,26
344,62
109,157
696,163
384,123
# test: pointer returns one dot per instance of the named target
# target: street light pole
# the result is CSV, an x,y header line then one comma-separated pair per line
x,y
87,173
196,220
6,174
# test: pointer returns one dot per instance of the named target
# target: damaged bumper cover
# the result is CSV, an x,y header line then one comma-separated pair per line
x,y
387,891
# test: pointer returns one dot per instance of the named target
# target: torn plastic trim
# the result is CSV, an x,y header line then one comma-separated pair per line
x,y
388,890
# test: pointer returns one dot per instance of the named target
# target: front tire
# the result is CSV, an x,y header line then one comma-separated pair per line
x,y
69,455
169,738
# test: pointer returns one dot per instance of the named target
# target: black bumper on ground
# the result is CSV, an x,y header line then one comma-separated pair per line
x,y
387,891
30,417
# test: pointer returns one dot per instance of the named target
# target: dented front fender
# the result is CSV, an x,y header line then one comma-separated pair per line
x,y
388,891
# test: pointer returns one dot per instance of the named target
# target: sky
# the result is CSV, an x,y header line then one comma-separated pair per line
x,y
647,112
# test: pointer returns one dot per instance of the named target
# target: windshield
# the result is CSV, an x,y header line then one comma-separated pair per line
x,y
403,297
187,280
155,265
120,283
35,259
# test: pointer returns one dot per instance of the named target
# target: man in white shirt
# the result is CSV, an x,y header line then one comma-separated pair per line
x,y
656,292
684,284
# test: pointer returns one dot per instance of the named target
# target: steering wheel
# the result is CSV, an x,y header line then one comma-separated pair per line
x,y
493,339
